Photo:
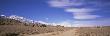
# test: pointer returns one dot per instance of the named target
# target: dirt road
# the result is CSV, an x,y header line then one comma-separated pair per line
x,y
60,33
80,32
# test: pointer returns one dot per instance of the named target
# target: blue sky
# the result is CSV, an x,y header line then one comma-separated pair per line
x,y
64,12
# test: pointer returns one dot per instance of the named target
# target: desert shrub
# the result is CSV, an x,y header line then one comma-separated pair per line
x,y
9,34
26,24
7,21
108,35
0,31
59,26
2,23
98,27
36,32
12,34
33,25
43,25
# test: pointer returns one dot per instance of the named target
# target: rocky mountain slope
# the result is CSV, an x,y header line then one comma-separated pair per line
x,y
19,26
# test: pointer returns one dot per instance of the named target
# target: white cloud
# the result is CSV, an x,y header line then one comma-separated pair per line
x,y
79,10
78,13
86,17
82,13
63,3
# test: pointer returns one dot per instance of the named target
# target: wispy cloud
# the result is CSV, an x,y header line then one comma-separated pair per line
x,y
63,3
78,13
83,10
82,13
86,17
79,10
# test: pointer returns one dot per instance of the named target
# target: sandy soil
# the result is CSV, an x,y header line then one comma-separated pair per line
x,y
79,32
59,33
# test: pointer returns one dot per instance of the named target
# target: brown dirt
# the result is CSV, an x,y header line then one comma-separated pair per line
x,y
80,32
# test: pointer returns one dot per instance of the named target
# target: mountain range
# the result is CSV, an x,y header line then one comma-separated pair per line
x,y
22,19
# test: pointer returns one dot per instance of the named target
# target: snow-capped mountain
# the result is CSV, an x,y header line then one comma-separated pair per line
x,y
28,21
19,18
23,19
2,15
16,17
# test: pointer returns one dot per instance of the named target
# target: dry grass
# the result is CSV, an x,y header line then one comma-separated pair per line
x,y
11,27
103,31
22,29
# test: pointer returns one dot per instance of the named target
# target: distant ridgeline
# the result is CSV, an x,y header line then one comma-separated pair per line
x,y
19,26
15,20
7,21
